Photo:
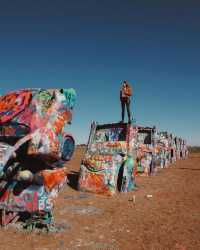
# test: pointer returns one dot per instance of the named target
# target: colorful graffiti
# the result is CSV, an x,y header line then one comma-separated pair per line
x,y
34,144
108,166
158,150
117,153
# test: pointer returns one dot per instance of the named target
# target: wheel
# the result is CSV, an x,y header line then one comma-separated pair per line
x,y
68,148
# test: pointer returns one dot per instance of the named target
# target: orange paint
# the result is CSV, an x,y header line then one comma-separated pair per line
x,y
53,177
13,103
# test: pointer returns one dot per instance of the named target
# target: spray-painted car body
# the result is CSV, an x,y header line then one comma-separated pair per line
x,y
166,150
33,141
108,164
181,148
157,149
146,157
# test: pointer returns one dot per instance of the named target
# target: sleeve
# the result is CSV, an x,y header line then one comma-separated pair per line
x,y
130,91
120,94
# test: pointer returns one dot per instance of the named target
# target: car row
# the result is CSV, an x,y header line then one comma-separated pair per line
x,y
116,153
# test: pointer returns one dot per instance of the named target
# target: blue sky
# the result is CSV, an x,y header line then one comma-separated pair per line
x,y
94,45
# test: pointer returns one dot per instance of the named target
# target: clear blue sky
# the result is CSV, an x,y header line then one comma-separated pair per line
x,y
93,45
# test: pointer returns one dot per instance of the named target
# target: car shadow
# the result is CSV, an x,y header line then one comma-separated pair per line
x,y
193,169
73,177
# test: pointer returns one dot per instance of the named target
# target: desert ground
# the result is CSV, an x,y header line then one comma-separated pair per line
x,y
163,214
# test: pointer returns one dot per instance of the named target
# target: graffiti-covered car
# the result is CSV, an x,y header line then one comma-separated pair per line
x,y
108,164
165,148
34,144
146,156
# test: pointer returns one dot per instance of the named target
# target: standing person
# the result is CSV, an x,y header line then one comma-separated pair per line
x,y
125,98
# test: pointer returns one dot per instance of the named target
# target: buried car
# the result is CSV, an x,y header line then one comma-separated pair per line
x,y
34,144
109,160
146,157
165,148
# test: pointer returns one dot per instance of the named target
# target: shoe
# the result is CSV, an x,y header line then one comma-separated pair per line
x,y
121,122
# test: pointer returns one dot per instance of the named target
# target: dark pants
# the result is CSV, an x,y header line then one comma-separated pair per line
x,y
127,104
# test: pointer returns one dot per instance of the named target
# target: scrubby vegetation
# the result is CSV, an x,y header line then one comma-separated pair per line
x,y
194,149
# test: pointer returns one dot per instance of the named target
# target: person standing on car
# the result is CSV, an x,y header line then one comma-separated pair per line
x,y
125,98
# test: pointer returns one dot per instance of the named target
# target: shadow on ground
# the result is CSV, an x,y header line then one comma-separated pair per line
x,y
193,169
73,179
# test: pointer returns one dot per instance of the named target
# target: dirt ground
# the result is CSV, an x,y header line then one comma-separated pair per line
x,y
163,214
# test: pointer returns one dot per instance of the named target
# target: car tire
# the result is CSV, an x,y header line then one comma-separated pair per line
x,y
68,148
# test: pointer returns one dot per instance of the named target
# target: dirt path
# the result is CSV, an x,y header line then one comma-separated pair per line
x,y
169,220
